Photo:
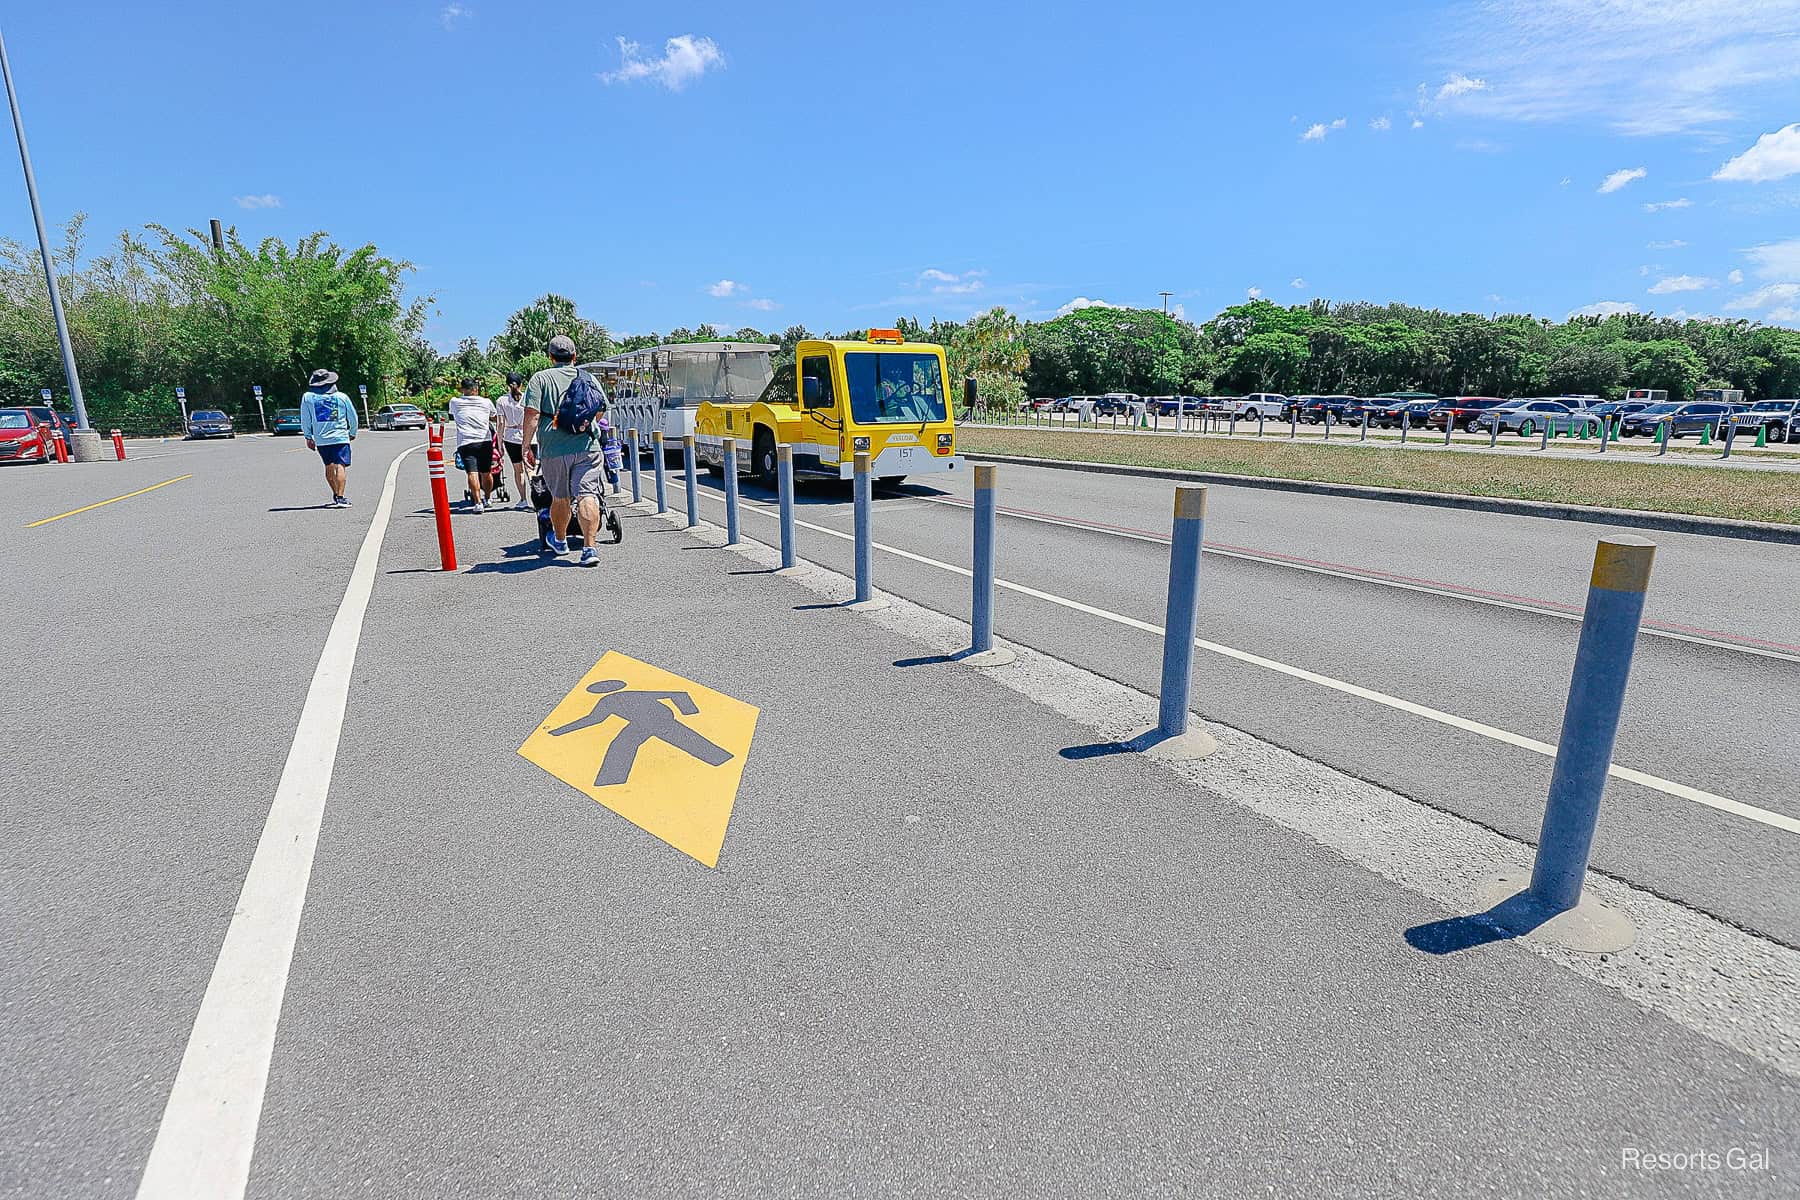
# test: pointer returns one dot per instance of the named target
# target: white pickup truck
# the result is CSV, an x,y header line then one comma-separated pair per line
x,y
1270,404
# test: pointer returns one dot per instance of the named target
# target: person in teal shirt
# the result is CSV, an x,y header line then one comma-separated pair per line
x,y
328,420
572,464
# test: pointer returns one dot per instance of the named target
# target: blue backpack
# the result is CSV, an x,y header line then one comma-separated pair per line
x,y
584,401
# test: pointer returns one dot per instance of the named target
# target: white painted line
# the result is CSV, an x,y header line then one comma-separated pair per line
x,y
1668,787
1359,577
208,1132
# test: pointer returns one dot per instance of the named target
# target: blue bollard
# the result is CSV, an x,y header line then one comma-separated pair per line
x,y
636,489
1183,610
693,488
862,527
656,452
784,472
731,507
1405,424
981,617
1609,630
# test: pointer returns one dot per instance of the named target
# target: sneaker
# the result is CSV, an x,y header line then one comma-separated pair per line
x,y
337,502
477,508
589,558
343,501
557,545
522,506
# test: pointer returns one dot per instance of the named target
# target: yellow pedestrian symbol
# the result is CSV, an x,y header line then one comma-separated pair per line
x,y
664,752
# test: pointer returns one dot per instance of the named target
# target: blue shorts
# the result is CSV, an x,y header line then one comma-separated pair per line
x,y
336,456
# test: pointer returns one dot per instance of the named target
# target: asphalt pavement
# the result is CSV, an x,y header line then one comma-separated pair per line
x,y
939,954
1471,614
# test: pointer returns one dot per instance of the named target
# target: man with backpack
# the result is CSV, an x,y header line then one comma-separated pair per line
x,y
563,408
328,420
474,417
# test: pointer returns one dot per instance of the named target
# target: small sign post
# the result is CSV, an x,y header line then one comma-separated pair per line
x,y
181,399
261,417
362,389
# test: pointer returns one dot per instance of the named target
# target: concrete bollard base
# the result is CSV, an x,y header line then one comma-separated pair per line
x,y
1588,928
872,604
1191,746
995,656
86,445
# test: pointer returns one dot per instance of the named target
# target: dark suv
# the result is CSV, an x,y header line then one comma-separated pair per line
x,y
1314,408
1780,417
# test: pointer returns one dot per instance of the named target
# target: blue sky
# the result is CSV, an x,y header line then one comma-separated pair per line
x,y
838,166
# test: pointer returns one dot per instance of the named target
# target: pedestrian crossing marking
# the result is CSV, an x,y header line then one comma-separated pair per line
x,y
664,752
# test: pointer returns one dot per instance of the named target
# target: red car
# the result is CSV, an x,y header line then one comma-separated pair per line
x,y
21,438
1461,409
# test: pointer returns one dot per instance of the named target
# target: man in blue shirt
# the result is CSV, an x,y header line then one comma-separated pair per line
x,y
329,421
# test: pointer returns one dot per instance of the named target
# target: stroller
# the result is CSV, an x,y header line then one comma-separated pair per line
x,y
497,491
540,500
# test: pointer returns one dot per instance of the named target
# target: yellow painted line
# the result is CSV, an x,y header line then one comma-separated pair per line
x,y
102,504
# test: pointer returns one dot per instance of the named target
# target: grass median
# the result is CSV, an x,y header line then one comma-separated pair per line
x,y
1694,490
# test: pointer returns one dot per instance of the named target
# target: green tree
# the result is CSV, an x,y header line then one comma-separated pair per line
x,y
1665,363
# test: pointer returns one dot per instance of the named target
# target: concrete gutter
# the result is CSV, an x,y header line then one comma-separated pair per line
x,y
1756,531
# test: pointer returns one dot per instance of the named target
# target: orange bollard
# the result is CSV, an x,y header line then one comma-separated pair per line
x,y
119,444
440,495
62,445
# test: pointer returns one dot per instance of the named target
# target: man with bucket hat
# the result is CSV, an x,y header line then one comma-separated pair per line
x,y
329,421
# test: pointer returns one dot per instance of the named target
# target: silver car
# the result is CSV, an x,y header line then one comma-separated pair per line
x,y
1528,417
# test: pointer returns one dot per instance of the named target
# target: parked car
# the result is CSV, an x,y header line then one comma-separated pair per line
x,y
287,420
1529,416
1395,413
1614,409
1270,404
23,439
1681,419
398,416
1461,410
1116,404
1313,409
209,423
44,415
1780,417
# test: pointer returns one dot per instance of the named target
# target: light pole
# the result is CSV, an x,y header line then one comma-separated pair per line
x,y
1165,296
37,215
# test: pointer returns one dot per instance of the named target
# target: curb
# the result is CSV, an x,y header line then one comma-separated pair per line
x,y
1756,531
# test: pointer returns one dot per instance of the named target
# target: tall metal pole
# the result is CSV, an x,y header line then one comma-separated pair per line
x,y
37,215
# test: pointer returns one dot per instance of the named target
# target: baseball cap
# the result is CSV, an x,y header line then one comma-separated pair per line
x,y
561,347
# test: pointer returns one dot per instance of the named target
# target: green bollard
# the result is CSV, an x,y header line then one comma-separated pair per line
x,y
1706,435
1762,436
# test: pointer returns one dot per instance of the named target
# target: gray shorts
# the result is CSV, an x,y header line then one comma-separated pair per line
x,y
571,476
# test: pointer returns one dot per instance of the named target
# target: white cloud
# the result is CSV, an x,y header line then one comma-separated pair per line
x,y
1620,178
1565,181
263,201
1418,124
684,59
1776,260
1081,302
1774,156
1255,293
1767,297
946,283
1460,85
1317,132
1296,282
453,14
1660,205
1603,308
1637,66
1735,277
726,287
1480,146
1381,124
762,304
1681,283
1671,244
